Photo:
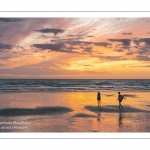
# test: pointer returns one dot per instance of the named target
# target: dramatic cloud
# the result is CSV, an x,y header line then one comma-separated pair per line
x,y
54,47
10,19
127,33
79,36
88,49
129,53
85,43
44,36
141,41
139,47
59,47
119,50
125,42
50,30
71,46
105,44
145,40
143,58
5,46
80,44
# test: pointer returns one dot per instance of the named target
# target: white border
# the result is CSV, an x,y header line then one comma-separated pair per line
x,y
76,135
75,5
73,14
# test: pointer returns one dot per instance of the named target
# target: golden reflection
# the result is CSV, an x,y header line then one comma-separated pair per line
x,y
98,116
120,119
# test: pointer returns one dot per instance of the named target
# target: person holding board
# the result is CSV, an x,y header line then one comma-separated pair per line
x,y
120,98
99,99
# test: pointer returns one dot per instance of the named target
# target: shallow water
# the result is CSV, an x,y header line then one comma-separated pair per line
x,y
19,112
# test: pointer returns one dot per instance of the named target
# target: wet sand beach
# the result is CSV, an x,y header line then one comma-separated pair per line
x,y
74,112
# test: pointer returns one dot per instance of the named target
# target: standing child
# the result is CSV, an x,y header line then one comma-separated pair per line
x,y
99,99
120,98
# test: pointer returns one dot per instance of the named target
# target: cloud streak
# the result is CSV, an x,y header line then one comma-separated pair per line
x,y
50,30
70,46
143,58
105,44
129,33
54,47
125,42
58,47
5,46
11,19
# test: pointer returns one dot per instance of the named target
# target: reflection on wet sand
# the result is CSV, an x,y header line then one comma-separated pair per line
x,y
99,115
120,119
84,115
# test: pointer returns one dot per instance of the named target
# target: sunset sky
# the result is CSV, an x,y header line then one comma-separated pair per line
x,y
75,48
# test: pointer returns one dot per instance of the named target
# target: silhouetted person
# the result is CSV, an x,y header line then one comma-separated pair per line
x,y
99,99
120,98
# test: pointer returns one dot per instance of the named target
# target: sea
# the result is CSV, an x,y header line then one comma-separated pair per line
x,y
73,85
